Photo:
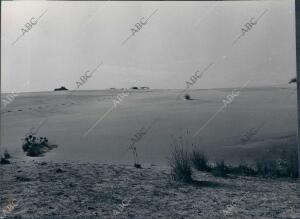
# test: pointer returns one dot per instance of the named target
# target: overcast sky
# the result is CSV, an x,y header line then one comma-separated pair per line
x,y
179,39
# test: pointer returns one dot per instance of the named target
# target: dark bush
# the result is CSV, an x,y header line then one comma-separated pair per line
x,y
6,154
200,161
243,169
187,97
36,146
4,161
220,169
181,169
267,168
280,167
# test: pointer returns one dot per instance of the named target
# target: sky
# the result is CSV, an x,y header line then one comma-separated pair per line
x,y
179,39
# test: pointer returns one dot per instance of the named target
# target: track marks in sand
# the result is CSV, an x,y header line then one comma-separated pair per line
x,y
39,108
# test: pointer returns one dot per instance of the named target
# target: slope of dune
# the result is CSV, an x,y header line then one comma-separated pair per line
x,y
67,119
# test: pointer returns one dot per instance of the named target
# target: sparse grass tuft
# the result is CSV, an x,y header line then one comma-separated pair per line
x,y
5,158
282,163
267,168
6,154
181,169
244,170
221,169
200,161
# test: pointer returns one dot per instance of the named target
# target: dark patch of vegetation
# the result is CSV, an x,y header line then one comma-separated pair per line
x,y
200,161
137,165
293,80
61,88
5,158
267,168
59,170
4,161
279,162
244,170
221,169
23,178
276,162
181,169
187,97
278,168
36,146
6,154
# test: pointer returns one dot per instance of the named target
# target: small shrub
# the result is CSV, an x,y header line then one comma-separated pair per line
x,y
36,146
6,154
138,166
3,160
284,166
243,169
292,165
187,97
200,161
181,169
267,168
221,169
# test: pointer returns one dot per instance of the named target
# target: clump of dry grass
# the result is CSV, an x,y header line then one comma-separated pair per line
x,y
276,163
200,161
5,158
181,169
221,169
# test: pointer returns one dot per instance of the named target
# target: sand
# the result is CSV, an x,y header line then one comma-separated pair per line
x,y
67,120
94,190
93,176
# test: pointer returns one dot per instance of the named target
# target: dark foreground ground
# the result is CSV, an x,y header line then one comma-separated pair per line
x,y
89,190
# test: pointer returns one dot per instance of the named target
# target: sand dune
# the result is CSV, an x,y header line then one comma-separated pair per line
x,y
68,118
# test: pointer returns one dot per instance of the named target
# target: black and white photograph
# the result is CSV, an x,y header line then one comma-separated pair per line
x,y
150,109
